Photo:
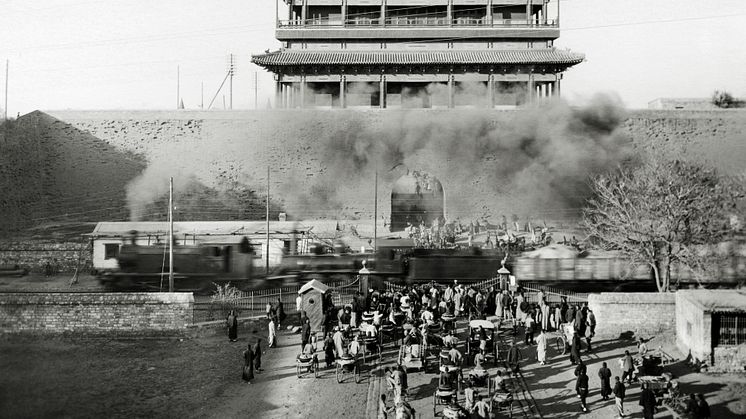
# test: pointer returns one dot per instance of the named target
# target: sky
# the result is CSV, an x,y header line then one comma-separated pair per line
x,y
124,54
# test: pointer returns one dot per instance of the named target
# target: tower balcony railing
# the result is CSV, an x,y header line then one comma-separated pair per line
x,y
416,22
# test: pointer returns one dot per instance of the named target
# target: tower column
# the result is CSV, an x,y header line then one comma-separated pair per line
x,y
303,12
344,12
342,93
529,19
382,93
383,13
278,94
488,13
449,12
531,90
303,91
450,91
491,90
557,86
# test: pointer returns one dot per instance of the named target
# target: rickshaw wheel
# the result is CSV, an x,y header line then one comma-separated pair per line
x,y
297,370
356,371
339,373
561,345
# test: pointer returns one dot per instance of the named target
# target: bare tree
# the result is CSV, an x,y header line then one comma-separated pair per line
x,y
662,212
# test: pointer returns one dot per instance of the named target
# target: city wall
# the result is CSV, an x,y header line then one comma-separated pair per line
x,y
644,314
77,164
106,314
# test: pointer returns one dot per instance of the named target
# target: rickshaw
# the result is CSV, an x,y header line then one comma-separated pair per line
x,y
413,356
449,385
305,364
347,364
564,337
473,340
370,347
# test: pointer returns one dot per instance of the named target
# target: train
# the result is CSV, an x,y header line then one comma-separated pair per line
x,y
199,267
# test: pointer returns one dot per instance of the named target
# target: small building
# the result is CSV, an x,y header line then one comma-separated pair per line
x,y
711,327
313,303
285,237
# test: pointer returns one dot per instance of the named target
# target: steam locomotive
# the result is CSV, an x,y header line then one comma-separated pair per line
x,y
198,267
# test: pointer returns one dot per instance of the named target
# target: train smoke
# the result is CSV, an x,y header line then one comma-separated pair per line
x,y
534,161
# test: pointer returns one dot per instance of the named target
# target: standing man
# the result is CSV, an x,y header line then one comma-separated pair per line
x,y
592,322
619,393
541,348
272,333
604,374
628,366
581,386
299,307
514,358
647,401
529,328
575,349
305,334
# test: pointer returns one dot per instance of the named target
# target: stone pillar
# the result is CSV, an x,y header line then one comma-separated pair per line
x,y
531,89
344,12
488,15
383,13
544,12
449,12
342,93
382,93
491,90
451,103
529,20
278,94
302,91
557,86
304,12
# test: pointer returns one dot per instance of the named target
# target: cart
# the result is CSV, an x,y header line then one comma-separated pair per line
x,y
449,385
413,356
307,365
563,337
473,340
347,365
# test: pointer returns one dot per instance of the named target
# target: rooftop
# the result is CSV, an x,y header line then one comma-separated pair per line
x,y
524,56
717,300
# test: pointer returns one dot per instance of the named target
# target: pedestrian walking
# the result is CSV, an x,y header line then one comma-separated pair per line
x,y
232,323
272,333
604,374
704,407
541,348
280,313
247,372
529,328
628,367
299,307
329,350
514,358
575,349
581,387
647,401
619,394
305,333
592,322
258,355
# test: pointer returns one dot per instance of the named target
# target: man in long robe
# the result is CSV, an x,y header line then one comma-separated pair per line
x,y
248,365
541,348
514,358
604,374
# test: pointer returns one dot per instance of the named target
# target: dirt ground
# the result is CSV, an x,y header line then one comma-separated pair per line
x,y
165,378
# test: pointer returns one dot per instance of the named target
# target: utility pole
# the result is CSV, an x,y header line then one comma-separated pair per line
x,y
171,235
178,80
202,96
375,216
266,258
231,70
256,92
6,90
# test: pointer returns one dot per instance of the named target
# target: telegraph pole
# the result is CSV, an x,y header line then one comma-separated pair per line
x,y
6,90
375,216
202,96
256,92
266,258
171,235
178,81
231,70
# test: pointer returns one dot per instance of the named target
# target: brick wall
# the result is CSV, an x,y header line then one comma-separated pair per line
x,y
33,255
729,359
117,314
644,314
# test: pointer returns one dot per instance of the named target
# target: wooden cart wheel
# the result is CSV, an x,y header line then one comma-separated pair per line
x,y
561,345
298,370
339,373
356,371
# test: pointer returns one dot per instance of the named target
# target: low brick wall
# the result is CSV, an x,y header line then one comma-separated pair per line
x,y
644,314
118,314
729,359
40,256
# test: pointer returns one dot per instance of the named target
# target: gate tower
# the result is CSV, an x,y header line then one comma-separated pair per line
x,y
416,53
